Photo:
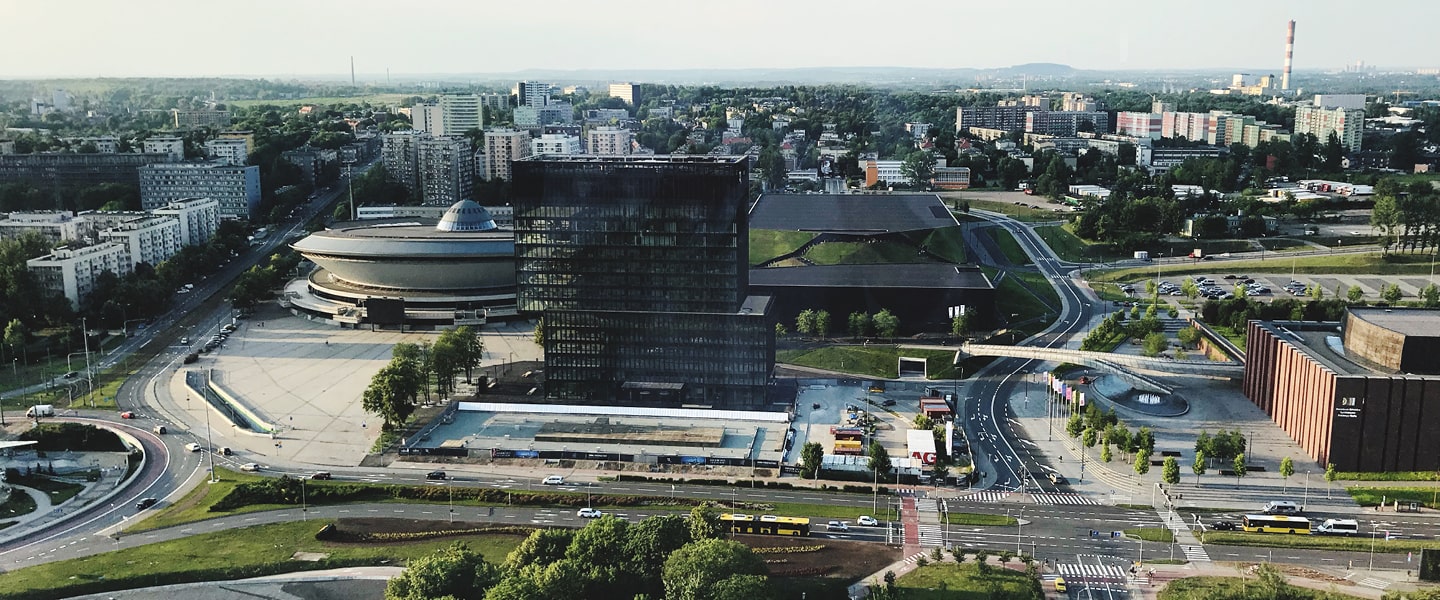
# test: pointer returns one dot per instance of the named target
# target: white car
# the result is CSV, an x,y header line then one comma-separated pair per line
x,y
553,480
867,521
250,467
589,513
193,447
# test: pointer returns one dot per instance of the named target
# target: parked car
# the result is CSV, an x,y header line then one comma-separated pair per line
x,y
589,513
553,480
145,503
437,475
867,521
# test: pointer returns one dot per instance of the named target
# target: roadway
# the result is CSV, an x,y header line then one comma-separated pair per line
x,y
1000,457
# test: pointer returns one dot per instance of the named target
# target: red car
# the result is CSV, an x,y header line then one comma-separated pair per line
x,y
127,415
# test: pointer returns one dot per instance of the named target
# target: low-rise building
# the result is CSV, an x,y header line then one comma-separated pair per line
x,y
58,226
165,144
555,143
609,141
231,151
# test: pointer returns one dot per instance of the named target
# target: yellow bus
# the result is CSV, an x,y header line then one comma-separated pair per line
x,y
1277,524
765,524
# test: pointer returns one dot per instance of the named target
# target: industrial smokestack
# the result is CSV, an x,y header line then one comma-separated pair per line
x,y
1289,56
352,64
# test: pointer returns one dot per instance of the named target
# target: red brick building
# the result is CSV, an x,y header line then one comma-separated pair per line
x,y
1363,394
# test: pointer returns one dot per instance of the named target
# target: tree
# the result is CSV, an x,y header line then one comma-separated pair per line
x,y
1190,288
822,323
1120,436
1074,425
694,570
879,459
1156,343
647,545
1287,468
805,322
1355,294
919,169
1142,462
1105,452
543,546
1170,472
742,587
1317,292
1430,296
960,324
454,572
600,547
704,523
811,454
1239,466
1330,477
1089,438
1199,466
924,422
15,336
780,330
886,323
1392,293
1188,336
859,323
539,335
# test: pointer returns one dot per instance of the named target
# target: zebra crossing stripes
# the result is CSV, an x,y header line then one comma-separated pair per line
x,y
1062,498
1378,584
913,557
986,497
1102,573
931,534
1195,553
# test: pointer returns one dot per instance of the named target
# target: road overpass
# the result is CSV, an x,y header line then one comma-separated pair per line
x,y
1132,368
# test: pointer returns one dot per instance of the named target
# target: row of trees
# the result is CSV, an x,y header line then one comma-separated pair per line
x,y
416,369
1102,335
659,557
816,323
1408,215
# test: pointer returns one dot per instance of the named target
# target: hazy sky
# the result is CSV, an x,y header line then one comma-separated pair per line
x,y
272,37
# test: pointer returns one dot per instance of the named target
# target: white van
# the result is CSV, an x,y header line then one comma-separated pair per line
x,y
1282,507
1339,527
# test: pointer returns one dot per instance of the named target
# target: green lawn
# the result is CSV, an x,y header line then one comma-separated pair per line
x,y
247,552
1372,496
951,581
1391,476
1069,247
1037,284
1366,264
874,360
1008,246
1019,212
946,242
20,503
58,491
844,253
766,244
1283,244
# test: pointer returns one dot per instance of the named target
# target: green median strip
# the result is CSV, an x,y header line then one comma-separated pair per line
x,y
1358,543
1151,534
981,519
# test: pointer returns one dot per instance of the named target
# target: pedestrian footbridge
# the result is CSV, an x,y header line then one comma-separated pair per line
x,y
1130,367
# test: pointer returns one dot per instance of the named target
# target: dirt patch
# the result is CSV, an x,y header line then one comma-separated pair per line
x,y
404,531
1311,574
837,559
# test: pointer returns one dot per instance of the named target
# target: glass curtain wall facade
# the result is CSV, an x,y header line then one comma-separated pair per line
x,y
639,266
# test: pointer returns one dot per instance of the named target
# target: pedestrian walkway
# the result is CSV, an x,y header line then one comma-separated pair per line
x,y
910,521
1373,582
1091,573
1185,538
1062,499
932,534
46,515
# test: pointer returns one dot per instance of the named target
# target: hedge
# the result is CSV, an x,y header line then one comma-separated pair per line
x,y
287,490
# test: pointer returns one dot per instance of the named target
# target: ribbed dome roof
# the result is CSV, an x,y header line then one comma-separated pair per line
x,y
466,215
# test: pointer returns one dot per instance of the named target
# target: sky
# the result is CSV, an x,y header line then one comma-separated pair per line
x,y
271,38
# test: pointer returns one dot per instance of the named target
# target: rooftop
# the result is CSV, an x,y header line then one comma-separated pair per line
x,y
850,213
926,276
1423,323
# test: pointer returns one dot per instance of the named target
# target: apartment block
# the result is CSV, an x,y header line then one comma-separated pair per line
x,y
1346,123
57,226
169,145
310,160
503,147
198,218
1004,118
555,143
446,171
429,118
532,93
1066,123
191,119
236,189
400,154
609,141
72,272
628,92
231,151
1139,124
148,240
460,113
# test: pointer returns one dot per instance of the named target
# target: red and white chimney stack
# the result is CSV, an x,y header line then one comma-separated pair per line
x,y
1289,56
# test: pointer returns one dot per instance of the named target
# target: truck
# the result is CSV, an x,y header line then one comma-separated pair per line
x,y
40,410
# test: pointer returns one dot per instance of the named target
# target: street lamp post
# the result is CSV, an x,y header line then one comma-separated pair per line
x,y
208,439
1019,522
304,508
1306,501
1373,526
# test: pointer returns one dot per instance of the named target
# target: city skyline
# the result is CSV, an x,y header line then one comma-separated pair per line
x,y
287,39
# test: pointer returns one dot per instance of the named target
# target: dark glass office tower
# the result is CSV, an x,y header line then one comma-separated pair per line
x,y
639,267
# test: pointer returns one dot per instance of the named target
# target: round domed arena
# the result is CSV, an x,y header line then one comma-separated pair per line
x,y
412,272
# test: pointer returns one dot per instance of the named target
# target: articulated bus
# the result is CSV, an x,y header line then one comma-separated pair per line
x,y
1277,524
765,524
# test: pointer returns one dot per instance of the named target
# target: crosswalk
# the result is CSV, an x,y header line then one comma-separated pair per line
x,y
1062,498
986,496
1092,573
1195,553
1378,584
932,535
914,557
